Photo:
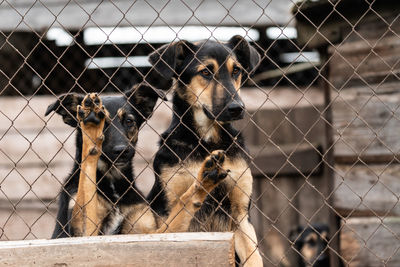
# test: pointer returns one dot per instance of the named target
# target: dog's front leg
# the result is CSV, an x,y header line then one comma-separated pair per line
x,y
245,235
91,116
210,175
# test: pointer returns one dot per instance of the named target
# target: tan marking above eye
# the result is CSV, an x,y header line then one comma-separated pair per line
x,y
231,63
207,62
324,235
312,236
121,113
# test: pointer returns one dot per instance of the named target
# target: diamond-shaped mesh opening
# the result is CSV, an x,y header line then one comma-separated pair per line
x,y
320,163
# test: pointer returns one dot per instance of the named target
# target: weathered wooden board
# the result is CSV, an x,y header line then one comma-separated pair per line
x,y
367,190
182,249
32,182
360,62
28,115
41,147
344,20
75,15
27,219
370,242
366,125
288,159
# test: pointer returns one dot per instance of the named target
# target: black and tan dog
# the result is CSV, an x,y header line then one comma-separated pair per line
x,y
100,196
311,244
206,100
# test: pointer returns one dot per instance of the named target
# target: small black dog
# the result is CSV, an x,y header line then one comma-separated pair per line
x,y
206,100
312,245
105,146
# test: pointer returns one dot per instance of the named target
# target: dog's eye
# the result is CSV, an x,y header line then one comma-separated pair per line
x,y
129,121
236,71
205,73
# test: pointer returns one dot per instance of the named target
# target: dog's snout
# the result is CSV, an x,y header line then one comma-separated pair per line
x,y
235,109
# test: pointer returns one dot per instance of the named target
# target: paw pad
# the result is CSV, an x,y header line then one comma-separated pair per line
x,y
91,111
213,170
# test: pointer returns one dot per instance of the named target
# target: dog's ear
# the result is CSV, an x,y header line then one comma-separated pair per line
x,y
168,59
66,106
144,97
247,55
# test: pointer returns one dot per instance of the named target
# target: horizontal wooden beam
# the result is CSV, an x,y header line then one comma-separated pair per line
x,y
371,190
26,15
365,125
286,160
178,249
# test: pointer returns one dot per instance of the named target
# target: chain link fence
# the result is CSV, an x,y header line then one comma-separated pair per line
x,y
321,119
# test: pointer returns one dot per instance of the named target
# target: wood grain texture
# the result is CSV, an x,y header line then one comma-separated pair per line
x,y
367,190
366,124
370,242
185,249
365,62
288,159
74,16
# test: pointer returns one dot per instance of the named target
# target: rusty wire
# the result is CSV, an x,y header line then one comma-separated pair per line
x,y
252,120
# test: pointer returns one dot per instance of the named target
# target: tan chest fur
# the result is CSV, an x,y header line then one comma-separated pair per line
x,y
177,179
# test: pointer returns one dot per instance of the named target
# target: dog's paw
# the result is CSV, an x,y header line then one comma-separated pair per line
x,y
91,111
212,170
91,116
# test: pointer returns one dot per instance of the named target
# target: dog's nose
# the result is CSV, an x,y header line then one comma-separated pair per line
x,y
235,109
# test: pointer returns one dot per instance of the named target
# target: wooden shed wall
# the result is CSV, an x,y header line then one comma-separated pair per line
x,y
364,92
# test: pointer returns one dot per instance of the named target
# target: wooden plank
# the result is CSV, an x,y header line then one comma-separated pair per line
x,y
40,147
178,249
290,159
370,242
32,182
29,219
360,62
367,190
27,115
365,126
338,20
75,15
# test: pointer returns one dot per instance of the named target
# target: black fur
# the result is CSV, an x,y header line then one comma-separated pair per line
x,y
120,189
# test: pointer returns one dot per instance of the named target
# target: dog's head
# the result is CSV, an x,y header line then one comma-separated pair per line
x,y
127,113
311,242
210,74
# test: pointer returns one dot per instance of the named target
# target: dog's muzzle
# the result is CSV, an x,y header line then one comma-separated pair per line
x,y
232,112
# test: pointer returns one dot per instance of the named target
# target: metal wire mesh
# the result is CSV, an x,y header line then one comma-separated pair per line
x,y
320,125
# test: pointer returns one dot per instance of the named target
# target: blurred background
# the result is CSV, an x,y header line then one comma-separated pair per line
x,y
321,124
